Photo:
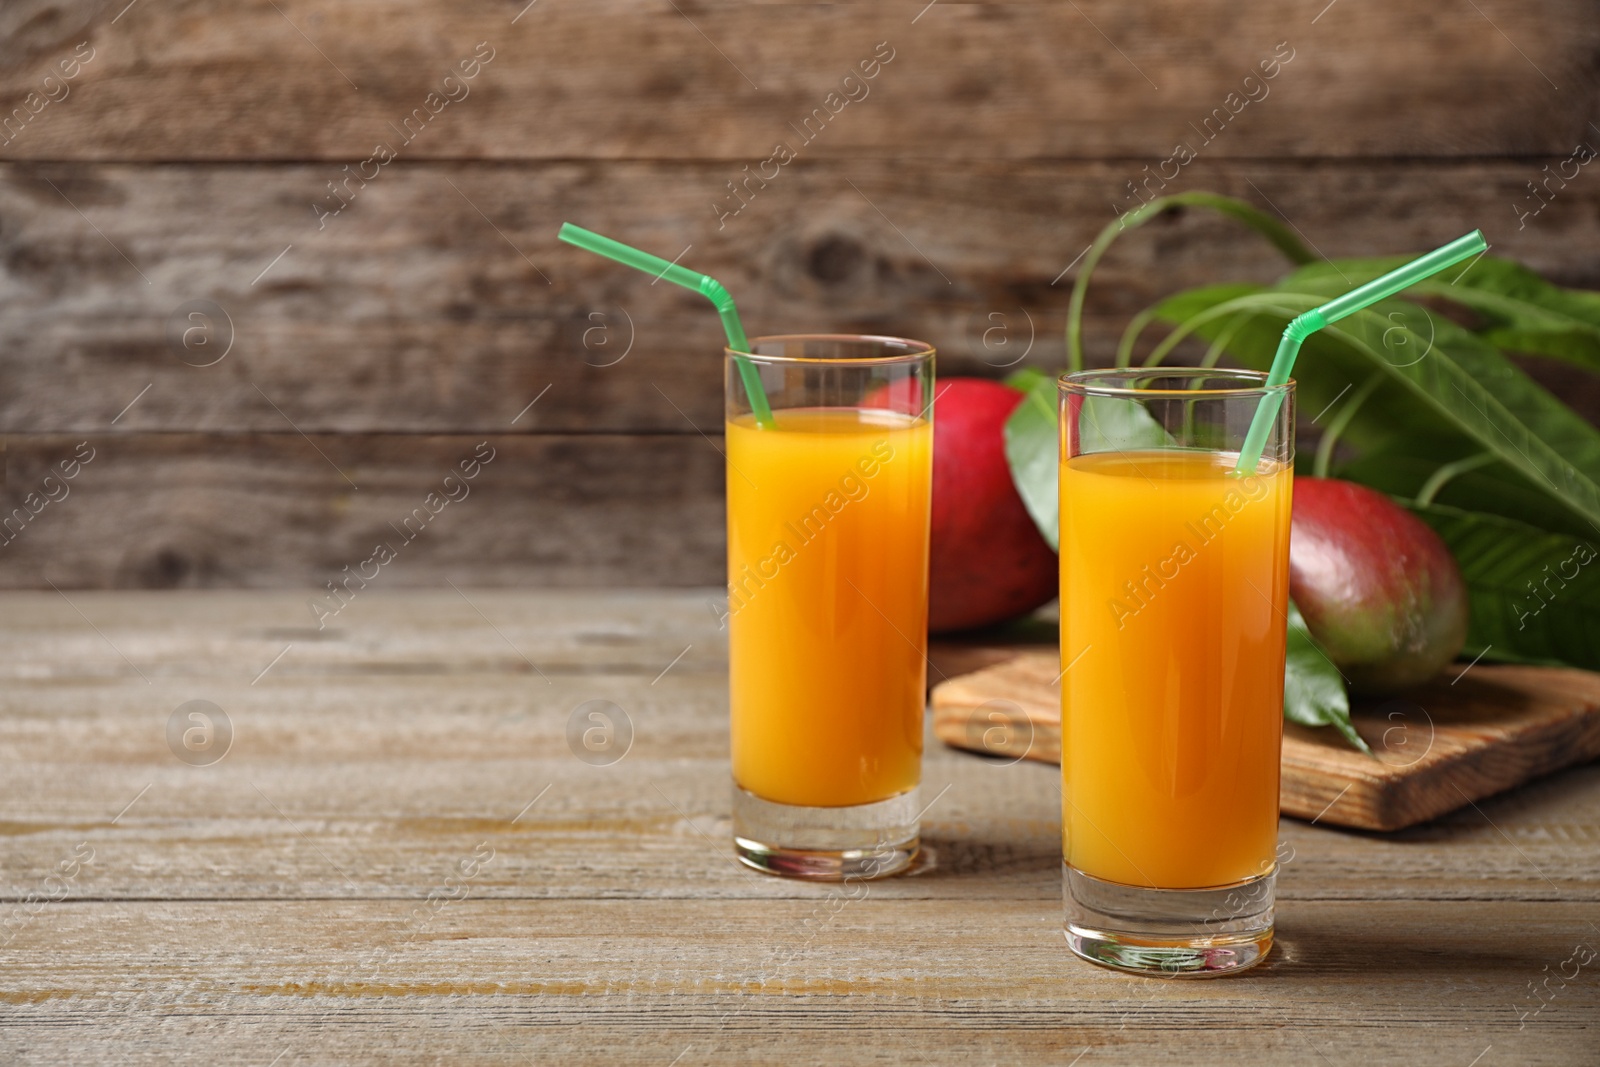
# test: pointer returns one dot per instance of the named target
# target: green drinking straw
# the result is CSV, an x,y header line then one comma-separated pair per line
x,y
1303,326
706,286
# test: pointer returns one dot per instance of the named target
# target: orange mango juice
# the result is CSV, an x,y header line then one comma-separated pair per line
x,y
1174,594
828,603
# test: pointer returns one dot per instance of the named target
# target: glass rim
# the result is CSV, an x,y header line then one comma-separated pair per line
x,y
1088,382
917,349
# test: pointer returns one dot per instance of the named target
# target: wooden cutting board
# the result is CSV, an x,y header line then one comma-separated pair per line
x,y
1437,749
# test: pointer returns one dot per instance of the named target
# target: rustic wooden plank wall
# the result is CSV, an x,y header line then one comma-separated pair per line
x,y
270,373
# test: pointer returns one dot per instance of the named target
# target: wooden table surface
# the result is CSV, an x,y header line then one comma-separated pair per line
x,y
400,859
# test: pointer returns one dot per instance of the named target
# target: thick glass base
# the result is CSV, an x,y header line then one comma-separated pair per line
x,y
1171,933
826,844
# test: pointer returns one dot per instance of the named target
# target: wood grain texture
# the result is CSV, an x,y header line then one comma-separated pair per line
x,y
276,903
413,718
194,80
1443,746
414,313
870,981
164,511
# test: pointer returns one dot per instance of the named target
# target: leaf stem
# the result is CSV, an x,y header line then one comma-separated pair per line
x,y
1448,472
1281,237
1261,301
1130,336
1224,336
1336,428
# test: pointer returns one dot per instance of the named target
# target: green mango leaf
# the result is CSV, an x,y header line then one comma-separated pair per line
x,y
1535,595
1033,452
1314,692
1026,379
1111,423
1428,389
1492,490
1520,311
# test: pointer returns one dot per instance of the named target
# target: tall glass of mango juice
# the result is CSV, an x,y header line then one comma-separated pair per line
x,y
828,508
1174,601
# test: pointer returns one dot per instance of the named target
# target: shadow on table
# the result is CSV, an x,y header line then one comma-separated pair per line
x,y
1023,854
1350,942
